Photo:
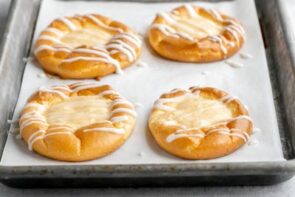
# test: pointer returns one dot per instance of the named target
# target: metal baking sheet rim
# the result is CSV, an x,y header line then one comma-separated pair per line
x,y
282,168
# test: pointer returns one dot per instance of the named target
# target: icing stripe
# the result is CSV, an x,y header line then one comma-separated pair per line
x,y
68,23
219,40
49,38
101,24
121,101
105,129
131,38
50,48
124,110
121,48
33,136
190,10
103,55
55,31
60,93
119,118
108,92
84,86
125,46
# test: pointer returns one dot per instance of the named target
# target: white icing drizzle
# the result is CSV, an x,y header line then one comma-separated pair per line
x,y
160,103
101,24
41,75
253,142
119,47
121,101
167,17
219,40
205,72
100,48
55,31
170,123
256,130
60,93
82,58
228,99
84,85
190,10
63,127
125,110
237,27
246,55
169,31
216,14
245,134
124,47
41,137
62,87
49,38
119,118
182,134
240,117
234,64
233,33
103,55
37,105
130,37
108,92
138,105
68,23
55,49
31,121
33,137
142,64
30,114
106,129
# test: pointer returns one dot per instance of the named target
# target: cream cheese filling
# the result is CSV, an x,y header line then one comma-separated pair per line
x,y
78,111
197,112
86,36
196,26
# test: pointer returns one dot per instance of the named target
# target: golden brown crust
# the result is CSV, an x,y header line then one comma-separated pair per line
x,y
54,55
173,45
205,142
59,141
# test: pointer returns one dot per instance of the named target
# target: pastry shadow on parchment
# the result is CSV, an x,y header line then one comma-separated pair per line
x,y
154,145
23,148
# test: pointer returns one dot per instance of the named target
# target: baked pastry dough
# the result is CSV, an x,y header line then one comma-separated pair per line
x,y
199,123
87,46
194,34
76,122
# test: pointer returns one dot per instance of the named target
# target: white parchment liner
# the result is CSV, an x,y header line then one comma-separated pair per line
x,y
144,85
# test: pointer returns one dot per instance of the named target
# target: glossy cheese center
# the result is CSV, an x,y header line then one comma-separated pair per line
x,y
79,111
196,26
197,112
86,36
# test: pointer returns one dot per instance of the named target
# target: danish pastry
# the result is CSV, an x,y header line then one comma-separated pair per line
x,y
199,123
87,46
194,34
76,122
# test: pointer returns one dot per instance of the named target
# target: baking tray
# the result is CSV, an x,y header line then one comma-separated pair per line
x,y
23,13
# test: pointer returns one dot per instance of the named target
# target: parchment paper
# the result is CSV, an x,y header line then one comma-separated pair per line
x,y
144,85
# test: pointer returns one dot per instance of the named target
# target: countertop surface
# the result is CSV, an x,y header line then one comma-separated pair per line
x,y
283,189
